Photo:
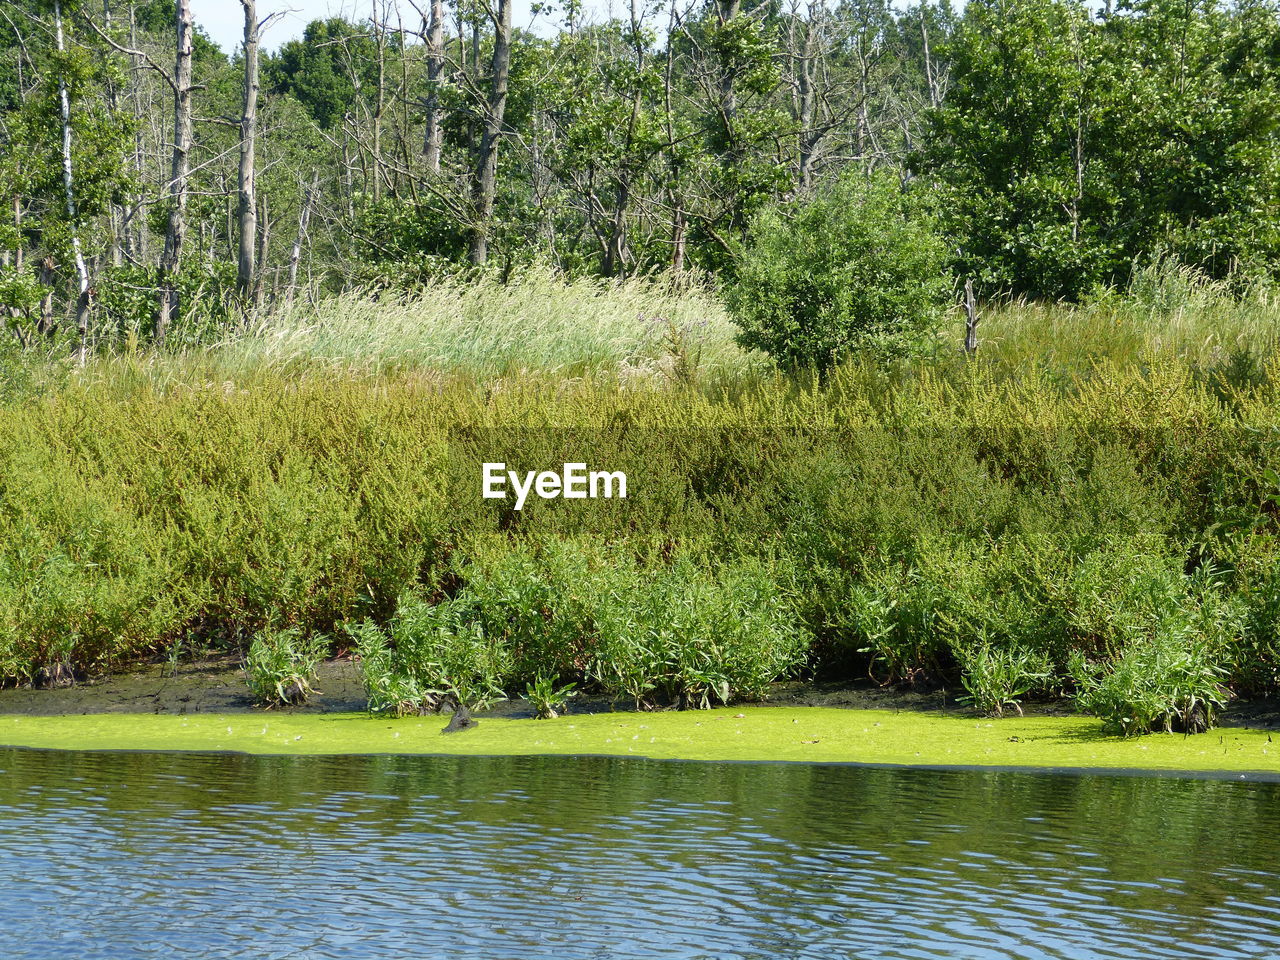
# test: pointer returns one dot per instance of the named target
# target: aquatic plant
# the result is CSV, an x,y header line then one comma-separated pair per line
x,y
996,676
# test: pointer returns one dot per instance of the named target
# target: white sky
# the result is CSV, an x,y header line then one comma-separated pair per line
x,y
223,19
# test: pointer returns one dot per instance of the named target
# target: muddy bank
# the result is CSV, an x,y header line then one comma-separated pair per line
x,y
217,686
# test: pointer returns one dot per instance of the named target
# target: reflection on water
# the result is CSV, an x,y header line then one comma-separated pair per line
x,y
148,855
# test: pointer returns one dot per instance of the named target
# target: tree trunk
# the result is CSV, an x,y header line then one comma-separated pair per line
x,y
303,219
133,222
68,182
728,11
176,230
804,104
434,137
46,324
485,182
971,319
264,238
248,145
380,34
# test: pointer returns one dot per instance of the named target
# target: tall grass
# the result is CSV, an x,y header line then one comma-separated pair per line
x,y
1167,311
651,333
639,327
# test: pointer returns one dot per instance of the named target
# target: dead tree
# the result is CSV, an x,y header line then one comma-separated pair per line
x,y
433,138
484,182
68,181
248,206
176,229
296,254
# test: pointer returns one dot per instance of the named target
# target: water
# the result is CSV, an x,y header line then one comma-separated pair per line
x,y
151,855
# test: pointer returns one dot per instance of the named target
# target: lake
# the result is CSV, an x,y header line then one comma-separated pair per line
x,y
134,855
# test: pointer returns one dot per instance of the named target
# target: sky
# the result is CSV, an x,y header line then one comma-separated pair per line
x,y
223,19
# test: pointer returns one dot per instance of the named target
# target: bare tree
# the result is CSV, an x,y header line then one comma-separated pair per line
x,y
176,229
484,184
296,254
248,208
433,139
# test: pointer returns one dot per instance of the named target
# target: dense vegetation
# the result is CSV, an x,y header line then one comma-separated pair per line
x,y
271,311
1011,526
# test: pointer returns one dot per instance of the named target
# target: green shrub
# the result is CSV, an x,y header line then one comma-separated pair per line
x,y
1160,683
859,266
281,666
435,650
996,677
695,636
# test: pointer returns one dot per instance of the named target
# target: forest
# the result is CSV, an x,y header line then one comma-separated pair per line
x,y
160,187
939,348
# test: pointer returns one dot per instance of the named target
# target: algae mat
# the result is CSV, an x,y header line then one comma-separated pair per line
x,y
813,734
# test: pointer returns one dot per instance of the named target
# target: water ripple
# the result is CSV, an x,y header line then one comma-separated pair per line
x,y
149,856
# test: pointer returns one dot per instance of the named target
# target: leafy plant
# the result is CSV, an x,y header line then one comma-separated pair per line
x,y
996,677
281,666
1161,683
859,266
548,700
434,650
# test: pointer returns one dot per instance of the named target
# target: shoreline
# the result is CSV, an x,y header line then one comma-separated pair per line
x,y
903,738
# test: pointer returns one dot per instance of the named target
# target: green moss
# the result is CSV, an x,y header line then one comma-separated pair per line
x,y
754,733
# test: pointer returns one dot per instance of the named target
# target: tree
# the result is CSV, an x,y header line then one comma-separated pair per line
x,y
248,205
176,229
860,266
484,182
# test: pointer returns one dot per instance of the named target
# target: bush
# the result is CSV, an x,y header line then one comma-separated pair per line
x,y
1162,683
996,677
436,650
695,636
859,266
281,665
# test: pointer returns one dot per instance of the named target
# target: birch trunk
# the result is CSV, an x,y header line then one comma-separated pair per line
x,y
68,182
248,208
296,254
176,230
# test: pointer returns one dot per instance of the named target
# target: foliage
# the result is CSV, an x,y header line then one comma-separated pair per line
x,y
435,650
1069,147
1161,683
858,267
548,699
281,664
996,677
917,520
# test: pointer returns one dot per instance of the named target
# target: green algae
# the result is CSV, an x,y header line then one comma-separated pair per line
x,y
812,734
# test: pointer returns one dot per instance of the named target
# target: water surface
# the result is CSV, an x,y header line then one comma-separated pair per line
x,y
158,855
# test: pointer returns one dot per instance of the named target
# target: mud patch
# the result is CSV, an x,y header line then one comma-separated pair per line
x,y
217,686
205,686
